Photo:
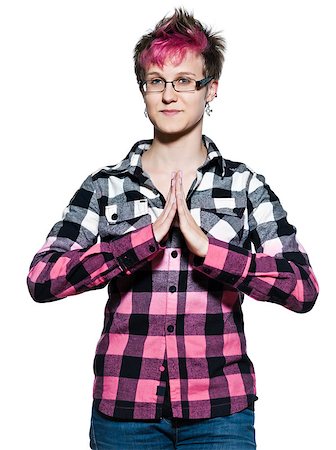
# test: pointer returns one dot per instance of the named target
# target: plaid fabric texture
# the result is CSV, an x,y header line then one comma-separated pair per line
x,y
169,312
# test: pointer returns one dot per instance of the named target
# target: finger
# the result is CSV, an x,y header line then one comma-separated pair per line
x,y
170,199
179,194
183,198
169,196
183,211
172,184
172,195
180,187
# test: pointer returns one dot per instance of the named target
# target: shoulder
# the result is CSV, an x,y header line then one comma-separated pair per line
x,y
124,164
237,169
242,172
237,166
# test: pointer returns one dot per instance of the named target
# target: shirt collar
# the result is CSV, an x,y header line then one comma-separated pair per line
x,y
131,163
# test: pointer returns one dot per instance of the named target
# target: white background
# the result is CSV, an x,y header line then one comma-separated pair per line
x,y
70,104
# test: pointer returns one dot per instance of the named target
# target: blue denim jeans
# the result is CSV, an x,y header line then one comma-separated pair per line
x,y
233,432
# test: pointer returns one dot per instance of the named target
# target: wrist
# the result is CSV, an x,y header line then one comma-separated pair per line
x,y
204,250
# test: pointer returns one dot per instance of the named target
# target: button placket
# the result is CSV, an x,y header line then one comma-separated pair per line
x,y
171,310
171,317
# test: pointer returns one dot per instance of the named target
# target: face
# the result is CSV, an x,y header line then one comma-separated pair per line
x,y
174,112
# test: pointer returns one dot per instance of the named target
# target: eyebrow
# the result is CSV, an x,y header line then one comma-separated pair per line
x,y
180,73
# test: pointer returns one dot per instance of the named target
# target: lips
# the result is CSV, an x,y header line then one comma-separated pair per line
x,y
170,112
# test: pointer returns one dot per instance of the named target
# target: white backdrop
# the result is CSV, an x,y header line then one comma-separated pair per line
x,y
70,104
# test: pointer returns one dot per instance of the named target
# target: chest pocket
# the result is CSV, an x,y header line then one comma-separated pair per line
x,y
223,220
120,218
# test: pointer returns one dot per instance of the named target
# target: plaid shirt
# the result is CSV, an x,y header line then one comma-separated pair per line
x,y
168,309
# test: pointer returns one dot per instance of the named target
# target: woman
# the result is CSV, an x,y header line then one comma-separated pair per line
x,y
179,234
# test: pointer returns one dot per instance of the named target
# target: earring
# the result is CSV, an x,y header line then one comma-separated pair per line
x,y
208,110
145,112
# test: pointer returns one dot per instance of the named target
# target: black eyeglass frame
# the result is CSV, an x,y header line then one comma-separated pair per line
x,y
199,84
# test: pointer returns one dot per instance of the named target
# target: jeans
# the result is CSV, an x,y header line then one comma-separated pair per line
x,y
233,432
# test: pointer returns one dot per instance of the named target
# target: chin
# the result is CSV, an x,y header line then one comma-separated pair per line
x,y
167,127
169,135
176,129
172,130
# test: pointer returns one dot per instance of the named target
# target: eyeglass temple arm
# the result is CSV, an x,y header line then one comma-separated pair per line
x,y
203,82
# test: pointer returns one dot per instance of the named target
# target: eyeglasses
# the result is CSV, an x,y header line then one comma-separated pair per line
x,y
182,84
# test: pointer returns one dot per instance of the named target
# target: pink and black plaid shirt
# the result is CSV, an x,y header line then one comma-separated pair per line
x,y
169,310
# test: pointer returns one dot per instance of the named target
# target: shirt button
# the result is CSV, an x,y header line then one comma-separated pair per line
x,y
170,328
162,368
174,253
172,288
114,216
127,260
152,248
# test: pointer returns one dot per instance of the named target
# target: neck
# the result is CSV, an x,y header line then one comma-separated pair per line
x,y
177,152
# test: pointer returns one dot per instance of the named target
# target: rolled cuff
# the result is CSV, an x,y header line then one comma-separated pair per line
x,y
225,262
135,247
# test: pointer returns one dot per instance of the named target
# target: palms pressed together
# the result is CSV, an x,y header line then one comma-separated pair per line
x,y
196,241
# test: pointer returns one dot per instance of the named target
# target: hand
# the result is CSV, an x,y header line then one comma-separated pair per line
x,y
163,223
197,242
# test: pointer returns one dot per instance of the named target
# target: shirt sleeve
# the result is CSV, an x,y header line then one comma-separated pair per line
x,y
279,270
72,260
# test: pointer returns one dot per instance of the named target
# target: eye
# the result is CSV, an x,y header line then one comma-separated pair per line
x,y
183,80
155,81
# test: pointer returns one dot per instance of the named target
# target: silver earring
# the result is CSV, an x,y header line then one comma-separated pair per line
x,y
145,112
208,110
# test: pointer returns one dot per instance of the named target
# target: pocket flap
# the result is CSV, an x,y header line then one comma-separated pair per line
x,y
119,212
224,206
224,202
111,213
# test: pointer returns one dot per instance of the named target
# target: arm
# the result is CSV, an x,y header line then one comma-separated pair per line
x,y
279,271
72,261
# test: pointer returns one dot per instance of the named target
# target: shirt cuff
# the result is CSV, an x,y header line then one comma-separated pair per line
x,y
135,247
224,262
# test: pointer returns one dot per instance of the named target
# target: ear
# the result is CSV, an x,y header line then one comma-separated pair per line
x,y
141,90
212,90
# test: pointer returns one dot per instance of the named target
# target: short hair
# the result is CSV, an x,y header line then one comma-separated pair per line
x,y
172,37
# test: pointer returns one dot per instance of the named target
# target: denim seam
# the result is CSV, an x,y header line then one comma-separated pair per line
x,y
93,435
163,418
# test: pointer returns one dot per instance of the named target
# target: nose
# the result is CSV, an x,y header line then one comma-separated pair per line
x,y
169,94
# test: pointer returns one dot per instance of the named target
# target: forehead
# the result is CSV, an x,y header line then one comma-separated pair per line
x,y
192,63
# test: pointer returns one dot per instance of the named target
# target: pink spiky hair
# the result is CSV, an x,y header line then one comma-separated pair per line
x,y
172,45
172,38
